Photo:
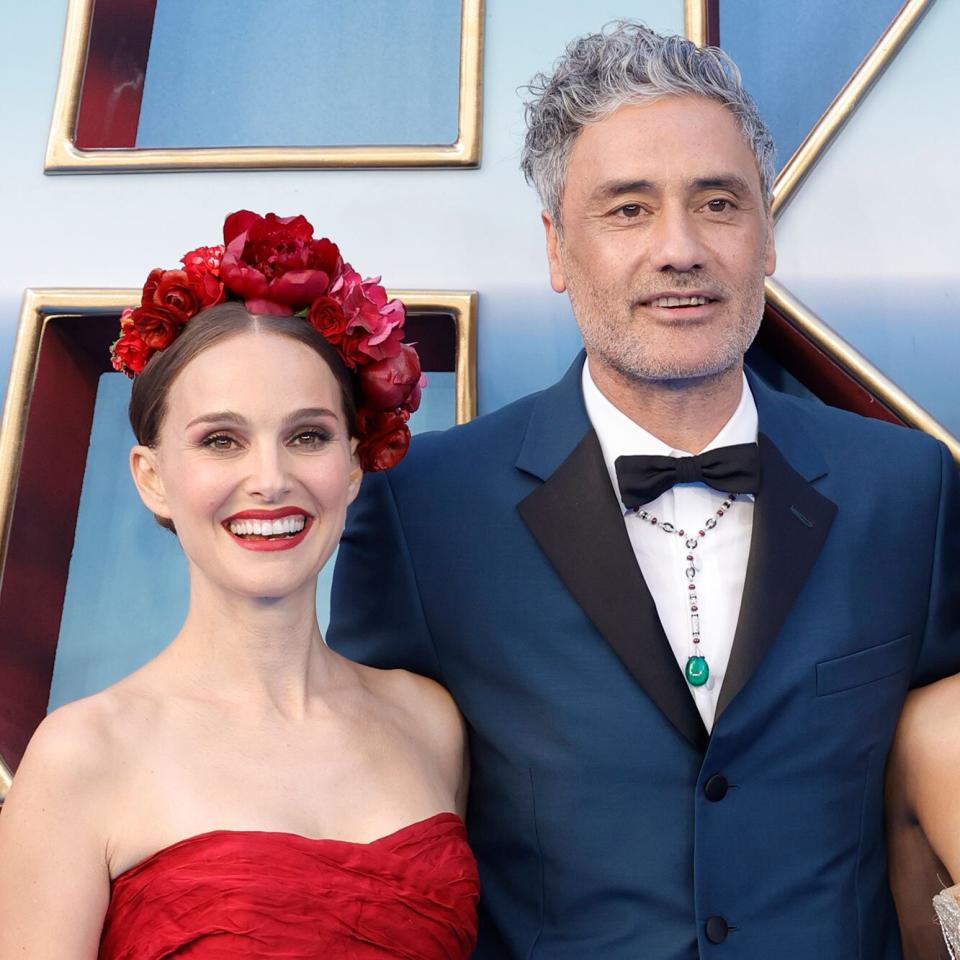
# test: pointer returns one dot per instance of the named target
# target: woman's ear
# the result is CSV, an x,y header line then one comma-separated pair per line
x,y
356,472
146,477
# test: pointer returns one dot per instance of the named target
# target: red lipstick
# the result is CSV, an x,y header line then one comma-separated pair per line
x,y
258,543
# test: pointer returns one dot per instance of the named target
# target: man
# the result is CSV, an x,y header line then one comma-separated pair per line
x,y
680,698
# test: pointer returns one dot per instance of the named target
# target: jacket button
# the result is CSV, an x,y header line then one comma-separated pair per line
x,y
716,929
716,787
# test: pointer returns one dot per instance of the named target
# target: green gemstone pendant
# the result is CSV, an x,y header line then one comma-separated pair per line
x,y
697,672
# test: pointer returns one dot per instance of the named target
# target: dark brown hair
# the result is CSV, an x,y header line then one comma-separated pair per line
x,y
148,400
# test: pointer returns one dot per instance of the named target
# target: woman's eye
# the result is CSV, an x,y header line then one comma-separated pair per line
x,y
310,438
219,441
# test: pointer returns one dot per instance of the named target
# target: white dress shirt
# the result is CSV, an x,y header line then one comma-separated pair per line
x,y
721,557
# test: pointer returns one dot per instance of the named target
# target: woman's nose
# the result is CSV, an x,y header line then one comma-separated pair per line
x,y
268,478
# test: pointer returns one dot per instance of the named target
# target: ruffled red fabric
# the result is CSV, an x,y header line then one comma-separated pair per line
x,y
231,894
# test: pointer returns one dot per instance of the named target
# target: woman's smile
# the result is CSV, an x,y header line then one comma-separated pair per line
x,y
281,529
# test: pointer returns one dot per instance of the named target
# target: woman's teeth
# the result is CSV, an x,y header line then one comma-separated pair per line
x,y
282,527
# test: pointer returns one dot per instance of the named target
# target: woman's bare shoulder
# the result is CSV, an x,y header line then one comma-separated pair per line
x,y
82,744
929,729
923,774
75,745
421,705
55,829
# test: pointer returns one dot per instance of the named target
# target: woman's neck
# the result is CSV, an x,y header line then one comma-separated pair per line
x,y
267,654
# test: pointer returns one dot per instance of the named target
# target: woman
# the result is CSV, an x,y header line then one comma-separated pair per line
x,y
923,821
249,792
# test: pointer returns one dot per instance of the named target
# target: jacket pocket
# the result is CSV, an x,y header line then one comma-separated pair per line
x,y
864,666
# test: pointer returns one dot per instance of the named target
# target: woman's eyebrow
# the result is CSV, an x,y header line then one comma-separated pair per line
x,y
309,413
223,416
236,419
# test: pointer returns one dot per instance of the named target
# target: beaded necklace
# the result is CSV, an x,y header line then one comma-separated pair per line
x,y
697,670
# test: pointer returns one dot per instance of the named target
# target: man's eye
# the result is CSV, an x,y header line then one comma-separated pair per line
x,y
631,210
719,205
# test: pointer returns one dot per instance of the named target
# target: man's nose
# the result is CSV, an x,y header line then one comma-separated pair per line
x,y
676,242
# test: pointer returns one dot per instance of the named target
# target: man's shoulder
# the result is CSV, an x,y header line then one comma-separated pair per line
x,y
497,435
843,433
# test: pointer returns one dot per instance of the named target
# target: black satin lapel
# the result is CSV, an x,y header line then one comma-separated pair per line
x,y
790,524
575,518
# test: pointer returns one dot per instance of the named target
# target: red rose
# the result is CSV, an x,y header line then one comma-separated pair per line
x,y
351,351
384,438
327,316
156,325
126,320
203,268
394,382
274,263
130,354
173,290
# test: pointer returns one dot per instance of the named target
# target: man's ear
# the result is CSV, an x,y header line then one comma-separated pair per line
x,y
146,477
770,262
557,279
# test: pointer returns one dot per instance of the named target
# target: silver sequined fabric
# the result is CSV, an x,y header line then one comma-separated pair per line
x,y
948,913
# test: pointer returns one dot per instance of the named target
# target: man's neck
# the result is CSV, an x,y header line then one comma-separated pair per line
x,y
684,414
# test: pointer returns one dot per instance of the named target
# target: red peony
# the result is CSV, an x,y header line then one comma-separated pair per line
x,y
385,438
327,316
156,325
130,354
275,264
377,323
394,382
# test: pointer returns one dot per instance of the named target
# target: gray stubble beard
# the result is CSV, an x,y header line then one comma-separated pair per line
x,y
628,356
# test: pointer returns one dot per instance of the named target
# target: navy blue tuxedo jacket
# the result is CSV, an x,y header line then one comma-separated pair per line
x,y
607,824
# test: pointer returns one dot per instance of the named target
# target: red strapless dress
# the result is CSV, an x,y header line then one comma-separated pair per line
x,y
232,894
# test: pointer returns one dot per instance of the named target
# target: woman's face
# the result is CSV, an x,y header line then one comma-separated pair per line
x,y
254,465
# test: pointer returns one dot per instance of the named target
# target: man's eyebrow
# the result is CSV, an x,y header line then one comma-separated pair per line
x,y
726,181
617,188
612,189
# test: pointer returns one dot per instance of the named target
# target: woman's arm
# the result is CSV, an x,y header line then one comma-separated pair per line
x,y
923,813
54,880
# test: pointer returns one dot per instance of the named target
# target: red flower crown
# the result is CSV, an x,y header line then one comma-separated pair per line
x,y
274,265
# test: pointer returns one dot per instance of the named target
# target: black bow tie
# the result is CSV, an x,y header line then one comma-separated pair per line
x,y
730,469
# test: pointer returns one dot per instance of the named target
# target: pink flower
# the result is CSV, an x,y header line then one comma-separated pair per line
x,y
373,321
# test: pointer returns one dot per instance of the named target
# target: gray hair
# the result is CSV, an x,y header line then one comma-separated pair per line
x,y
628,63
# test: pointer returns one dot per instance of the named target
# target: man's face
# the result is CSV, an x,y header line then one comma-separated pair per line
x,y
665,240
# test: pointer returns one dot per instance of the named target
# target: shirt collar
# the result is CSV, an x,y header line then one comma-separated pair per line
x,y
619,435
